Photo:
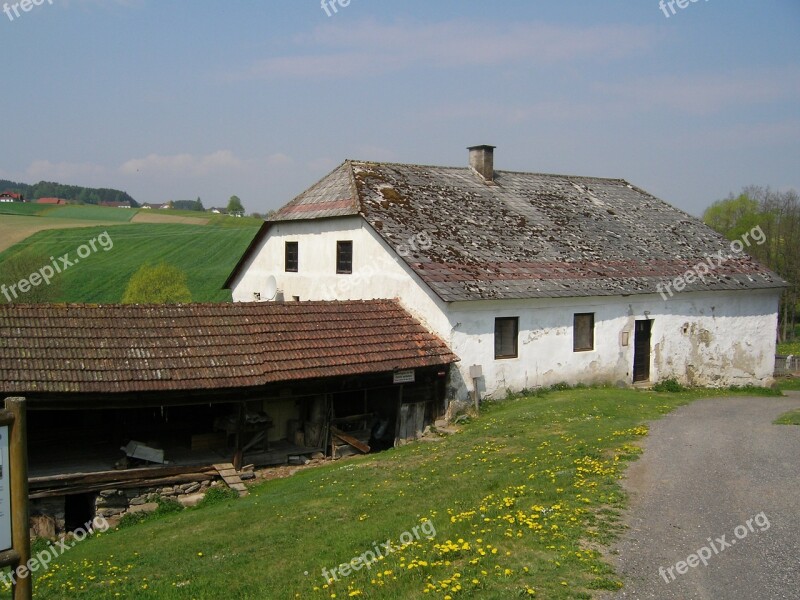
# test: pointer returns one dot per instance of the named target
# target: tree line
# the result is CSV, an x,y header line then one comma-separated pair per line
x,y
74,193
778,215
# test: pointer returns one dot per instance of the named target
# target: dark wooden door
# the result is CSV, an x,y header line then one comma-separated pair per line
x,y
641,351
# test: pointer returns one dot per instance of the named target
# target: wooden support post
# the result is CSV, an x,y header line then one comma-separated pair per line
x,y
238,456
20,522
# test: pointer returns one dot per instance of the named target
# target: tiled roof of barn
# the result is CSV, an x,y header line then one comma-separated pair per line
x,y
131,348
527,235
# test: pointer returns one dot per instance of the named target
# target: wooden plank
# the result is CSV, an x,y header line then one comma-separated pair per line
x,y
157,482
357,444
115,477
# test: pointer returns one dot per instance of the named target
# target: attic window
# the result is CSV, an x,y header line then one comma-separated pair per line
x,y
292,258
506,332
344,257
583,332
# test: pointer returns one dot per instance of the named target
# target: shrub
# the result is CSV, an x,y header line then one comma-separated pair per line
x,y
218,495
669,385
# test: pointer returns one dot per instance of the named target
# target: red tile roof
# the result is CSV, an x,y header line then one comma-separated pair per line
x,y
130,348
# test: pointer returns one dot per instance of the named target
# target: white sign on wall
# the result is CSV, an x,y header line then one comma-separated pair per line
x,y
5,492
404,376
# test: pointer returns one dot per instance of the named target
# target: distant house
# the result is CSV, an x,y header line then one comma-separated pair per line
x,y
218,211
151,206
11,197
51,201
116,204
532,279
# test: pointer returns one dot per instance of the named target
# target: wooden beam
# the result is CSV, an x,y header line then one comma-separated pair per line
x,y
115,477
156,482
349,439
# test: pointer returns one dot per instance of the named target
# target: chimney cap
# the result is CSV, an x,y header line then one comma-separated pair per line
x,y
481,147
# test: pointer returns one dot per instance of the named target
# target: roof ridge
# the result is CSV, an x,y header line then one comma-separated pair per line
x,y
467,168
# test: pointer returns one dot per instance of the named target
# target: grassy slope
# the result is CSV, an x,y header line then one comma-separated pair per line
x,y
521,499
206,253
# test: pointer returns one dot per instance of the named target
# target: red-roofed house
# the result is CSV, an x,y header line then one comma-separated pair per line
x,y
11,197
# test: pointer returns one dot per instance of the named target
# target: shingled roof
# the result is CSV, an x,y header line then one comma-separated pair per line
x,y
526,235
129,348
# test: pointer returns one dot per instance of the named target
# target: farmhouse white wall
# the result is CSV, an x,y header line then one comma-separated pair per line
x,y
699,339
377,272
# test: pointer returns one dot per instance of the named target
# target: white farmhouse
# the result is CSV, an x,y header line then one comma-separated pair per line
x,y
531,279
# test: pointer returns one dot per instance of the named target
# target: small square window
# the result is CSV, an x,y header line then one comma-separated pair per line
x,y
292,259
583,332
506,332
344,257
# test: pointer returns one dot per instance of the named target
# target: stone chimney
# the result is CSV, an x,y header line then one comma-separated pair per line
x,y
481,159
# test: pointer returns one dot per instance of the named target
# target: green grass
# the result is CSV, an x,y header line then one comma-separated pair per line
x,y
789,384
87,212
206,253
789,348
790,418
22,208
522,500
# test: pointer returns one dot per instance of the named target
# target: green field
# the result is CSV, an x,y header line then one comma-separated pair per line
x,y
22,208
521,503
207,254
88,212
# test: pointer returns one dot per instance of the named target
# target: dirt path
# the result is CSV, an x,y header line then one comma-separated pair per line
x,y
715,468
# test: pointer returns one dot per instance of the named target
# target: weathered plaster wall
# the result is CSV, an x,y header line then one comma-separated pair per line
x,y
705,339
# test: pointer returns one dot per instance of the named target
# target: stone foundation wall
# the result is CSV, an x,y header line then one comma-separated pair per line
x,y
48,514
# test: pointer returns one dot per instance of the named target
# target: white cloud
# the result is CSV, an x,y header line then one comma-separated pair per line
x,y
368,47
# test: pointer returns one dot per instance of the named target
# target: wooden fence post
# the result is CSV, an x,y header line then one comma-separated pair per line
x,y
20,522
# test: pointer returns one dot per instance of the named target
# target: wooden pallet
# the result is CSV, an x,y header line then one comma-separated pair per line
x,y
231,478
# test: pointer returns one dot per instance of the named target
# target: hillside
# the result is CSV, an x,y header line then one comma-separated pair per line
x,y
521,503
204,246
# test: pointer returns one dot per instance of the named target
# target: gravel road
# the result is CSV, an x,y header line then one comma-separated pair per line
x,y
708,469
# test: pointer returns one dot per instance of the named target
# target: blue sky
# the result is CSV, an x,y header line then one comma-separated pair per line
x,y
177,99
